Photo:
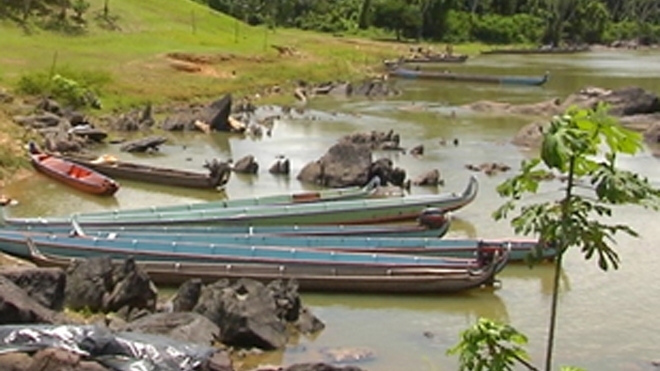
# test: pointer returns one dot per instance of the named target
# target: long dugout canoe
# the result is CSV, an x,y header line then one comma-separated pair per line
x,y
460,248
429,224
381,279
451,76
366,211
326,195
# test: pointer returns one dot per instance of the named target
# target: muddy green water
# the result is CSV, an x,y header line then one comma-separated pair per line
x,y
607,321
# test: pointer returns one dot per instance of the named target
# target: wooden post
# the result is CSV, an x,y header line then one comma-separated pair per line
x,y
53,65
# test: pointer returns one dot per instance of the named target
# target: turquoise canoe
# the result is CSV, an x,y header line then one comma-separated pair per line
x,y
366,211
430,224
166,263
460,248
405,73
327,195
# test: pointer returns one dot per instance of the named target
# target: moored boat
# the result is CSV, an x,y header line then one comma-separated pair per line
x,y
326,195
218,172
406,73
364,211
430,224
427,59
74,175
540,50
358,276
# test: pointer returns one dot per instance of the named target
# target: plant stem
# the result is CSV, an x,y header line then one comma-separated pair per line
x,y
565,213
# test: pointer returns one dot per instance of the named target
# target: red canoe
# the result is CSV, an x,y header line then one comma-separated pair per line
x,y
76,176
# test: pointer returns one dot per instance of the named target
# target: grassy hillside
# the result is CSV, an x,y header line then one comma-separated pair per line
x,y
135,55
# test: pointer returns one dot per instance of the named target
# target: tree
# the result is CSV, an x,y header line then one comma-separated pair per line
x,y
364,20
398,16
582,145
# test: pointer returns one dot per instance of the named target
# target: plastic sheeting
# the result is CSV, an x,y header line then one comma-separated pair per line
x,y
122,351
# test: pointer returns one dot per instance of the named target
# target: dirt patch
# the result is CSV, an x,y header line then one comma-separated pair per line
x,y
200,69
210,59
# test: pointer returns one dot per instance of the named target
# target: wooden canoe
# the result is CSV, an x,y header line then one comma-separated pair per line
x,y
570,50
218,175
431,59
405,73
359,278
72,174
430,224
363,211
327,195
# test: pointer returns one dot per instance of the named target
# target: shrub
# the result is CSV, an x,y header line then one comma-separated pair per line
x,y
76,88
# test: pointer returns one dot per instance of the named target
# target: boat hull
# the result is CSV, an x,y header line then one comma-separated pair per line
x,y
360,278
537,51
450,76
328,195
155,175
367,211
74,175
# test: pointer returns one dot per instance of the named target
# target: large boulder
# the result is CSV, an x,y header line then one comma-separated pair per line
x,y
626,101
251,314
629,101
214,115
246,314
530,135
95,284
652,134
87,282
17,307
345,164
45,285
384,169
184,326
132,288
187,296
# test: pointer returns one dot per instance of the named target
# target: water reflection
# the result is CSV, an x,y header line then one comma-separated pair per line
x,y
40,195
542,272
463,227
472,305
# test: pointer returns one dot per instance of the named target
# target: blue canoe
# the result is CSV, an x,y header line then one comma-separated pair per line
x,y
314,269
461,248
431,223
406,73
366,211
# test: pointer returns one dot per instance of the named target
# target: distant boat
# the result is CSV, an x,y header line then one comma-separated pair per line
x,y
313,270
428,59
76,176
361,211
405,73
540,50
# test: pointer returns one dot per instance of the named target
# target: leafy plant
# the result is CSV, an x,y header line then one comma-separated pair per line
x,y
583,145
490,346
74,88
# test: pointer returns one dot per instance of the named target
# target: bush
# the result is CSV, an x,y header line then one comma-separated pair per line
x,y
459,27
76,88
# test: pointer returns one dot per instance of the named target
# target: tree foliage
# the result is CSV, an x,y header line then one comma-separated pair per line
x,y
582,145
493,21
60,15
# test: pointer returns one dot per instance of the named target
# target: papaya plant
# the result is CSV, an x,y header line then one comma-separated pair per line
x,y
581,146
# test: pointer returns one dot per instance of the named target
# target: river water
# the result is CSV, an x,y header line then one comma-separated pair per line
x,y
607,321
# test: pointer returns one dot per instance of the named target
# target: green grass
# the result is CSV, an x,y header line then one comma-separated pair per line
x,y
134,56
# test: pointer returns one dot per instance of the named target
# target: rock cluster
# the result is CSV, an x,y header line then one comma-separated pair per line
x,y
240,314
